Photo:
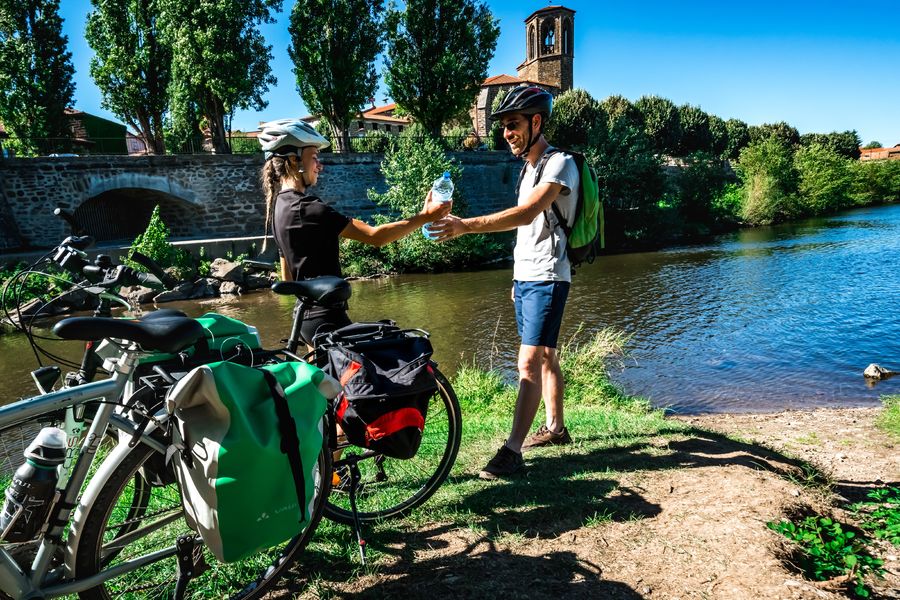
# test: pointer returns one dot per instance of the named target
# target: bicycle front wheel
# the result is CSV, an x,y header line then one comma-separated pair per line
x,y
391,487
130,519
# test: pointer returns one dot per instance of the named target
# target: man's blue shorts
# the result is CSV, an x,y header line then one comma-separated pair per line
x,y
539,310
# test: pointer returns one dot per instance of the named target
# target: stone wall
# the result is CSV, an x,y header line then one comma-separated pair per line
x,y
202,196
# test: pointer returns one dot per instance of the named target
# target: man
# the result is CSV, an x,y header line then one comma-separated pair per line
x,y
541,275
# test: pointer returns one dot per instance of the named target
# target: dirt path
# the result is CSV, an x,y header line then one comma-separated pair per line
x,y
697,525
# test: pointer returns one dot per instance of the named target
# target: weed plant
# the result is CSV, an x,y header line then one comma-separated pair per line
x,y
830,550
880,514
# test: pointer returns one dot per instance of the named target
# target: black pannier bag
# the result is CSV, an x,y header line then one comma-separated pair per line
x,y
387,378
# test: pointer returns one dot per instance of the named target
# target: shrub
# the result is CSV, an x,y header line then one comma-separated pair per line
x,y
825,179
455,137
409,169
726,205
875,181
154,243
373,141
766,169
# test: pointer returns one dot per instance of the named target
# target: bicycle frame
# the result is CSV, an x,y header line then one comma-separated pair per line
x,y
42,581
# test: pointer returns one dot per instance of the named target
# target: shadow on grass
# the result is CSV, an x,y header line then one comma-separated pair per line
x,y
564,489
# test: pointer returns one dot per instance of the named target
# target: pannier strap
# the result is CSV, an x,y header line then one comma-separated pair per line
x,y
290,443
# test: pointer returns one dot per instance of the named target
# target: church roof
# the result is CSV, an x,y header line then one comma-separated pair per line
x,y
548,9
507,80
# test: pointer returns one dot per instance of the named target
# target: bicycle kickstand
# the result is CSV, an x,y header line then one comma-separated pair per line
x,y
190,562
354,482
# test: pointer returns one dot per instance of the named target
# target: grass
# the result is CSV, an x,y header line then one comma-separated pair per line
x,y
566,488
889,420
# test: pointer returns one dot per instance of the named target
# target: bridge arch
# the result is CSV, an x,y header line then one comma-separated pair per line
x,y
118,208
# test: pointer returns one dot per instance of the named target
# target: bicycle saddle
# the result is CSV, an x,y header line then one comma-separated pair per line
x,y
166,333
324,290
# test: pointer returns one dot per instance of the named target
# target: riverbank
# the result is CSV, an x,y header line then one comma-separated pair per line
x,y
640,506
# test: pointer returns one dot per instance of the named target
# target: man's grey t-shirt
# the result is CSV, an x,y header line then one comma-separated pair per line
x,y
540,253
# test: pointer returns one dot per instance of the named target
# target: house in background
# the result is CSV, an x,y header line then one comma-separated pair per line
x,y
95,135
880,153
376,118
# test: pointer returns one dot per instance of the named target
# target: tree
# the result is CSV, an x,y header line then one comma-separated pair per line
x,y
131,65
333,45
718,133
437,57
35,75
620,108
781,131
844,143
577,120
695,134
769,178
220,61
872,145
738,138
825,178
661,122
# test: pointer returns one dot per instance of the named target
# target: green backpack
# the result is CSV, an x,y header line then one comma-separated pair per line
x,y
250,439
585,238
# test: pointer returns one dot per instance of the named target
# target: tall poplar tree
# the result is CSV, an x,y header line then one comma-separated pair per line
x,y
131,64
333,45
437,57
220,61
35,75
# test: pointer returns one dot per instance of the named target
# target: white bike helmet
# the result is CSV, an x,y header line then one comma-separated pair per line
x,y
288,134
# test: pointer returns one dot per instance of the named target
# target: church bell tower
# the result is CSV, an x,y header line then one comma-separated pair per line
x,y
549,40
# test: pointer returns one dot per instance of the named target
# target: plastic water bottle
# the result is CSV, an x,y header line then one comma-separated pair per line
x,y
441,191
29,497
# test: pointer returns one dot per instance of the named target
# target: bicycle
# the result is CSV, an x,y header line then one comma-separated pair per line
x,y
376,487
115,527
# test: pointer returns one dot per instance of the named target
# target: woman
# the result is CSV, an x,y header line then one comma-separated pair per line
x,y
307,230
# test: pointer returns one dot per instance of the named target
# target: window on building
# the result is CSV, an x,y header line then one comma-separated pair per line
x,y
531,42
399,128
567,38
549,37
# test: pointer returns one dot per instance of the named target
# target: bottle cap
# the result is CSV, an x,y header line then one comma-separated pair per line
x,y
446,174
48,447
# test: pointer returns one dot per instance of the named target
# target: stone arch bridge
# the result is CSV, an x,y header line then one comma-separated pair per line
x,y
200,196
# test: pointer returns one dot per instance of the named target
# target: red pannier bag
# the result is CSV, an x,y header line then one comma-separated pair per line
x,y
387,378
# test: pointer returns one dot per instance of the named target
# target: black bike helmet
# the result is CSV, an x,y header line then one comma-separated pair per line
x,y
525,99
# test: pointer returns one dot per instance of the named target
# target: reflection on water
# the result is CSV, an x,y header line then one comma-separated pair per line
x,y
766,318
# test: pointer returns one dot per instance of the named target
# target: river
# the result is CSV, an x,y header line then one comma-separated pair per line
x,y
758,320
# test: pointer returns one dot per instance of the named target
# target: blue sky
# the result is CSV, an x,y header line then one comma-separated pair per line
x,y
821,66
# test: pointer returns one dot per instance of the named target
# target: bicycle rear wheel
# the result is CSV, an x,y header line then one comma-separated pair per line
x,y
128,520
391,487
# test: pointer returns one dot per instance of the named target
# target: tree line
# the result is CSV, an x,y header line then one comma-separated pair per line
x,y
171,69
725,173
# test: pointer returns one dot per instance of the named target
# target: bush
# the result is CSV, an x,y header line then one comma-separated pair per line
x,y
875,181
373,141
154,243
409,169
577,120
726,205
455,137
825,179
766,169
49,283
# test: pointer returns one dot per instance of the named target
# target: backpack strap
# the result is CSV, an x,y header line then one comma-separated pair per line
x,y
538,173
290,443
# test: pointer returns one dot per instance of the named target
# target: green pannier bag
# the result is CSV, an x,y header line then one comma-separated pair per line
x,y
249,440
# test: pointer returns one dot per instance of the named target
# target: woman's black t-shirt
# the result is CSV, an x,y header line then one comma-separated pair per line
x,y
307,232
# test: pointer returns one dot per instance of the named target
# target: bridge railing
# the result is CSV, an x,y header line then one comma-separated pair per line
x,y
238,144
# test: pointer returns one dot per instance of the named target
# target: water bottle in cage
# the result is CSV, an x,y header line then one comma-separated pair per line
x,y
29,496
